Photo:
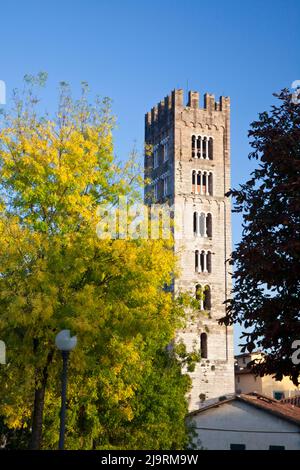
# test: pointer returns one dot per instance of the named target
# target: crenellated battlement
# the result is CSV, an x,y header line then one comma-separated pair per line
x,y
160,112
210,104
167,106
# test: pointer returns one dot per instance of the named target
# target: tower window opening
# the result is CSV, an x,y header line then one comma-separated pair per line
x,y
165,151
198,292
209,225
207,298
204,183
204,148
210,184
199,147
210,148
155,158
193,146
208,259
193,181
203,345
196,260
198,182
202,224
202,220
203,261
199,296
195,225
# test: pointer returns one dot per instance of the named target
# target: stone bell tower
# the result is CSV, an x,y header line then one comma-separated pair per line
x,y
189,167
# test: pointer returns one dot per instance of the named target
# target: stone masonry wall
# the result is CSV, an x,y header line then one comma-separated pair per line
x,y
214,375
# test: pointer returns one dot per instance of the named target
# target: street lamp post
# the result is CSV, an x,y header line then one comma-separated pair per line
x,y
65,343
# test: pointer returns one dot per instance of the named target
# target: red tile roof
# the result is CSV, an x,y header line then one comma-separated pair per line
x,y
281,410
292,400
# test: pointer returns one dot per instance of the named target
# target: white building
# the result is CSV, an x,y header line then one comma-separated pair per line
x,y
247,422
247,382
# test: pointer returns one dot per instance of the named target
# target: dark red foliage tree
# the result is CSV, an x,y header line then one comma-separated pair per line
x,y
266,293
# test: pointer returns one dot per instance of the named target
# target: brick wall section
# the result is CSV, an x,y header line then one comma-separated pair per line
x,y
214,376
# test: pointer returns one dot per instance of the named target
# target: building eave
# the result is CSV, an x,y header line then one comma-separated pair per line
x,y
261,402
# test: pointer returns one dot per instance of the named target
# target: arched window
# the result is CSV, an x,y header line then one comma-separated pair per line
x,y
193,146
202,224
198,292
199,147
203,345
198,190
196,260
202,261
210,148
208,225
155,157
195,216
165,150
207,298
199,296
208,260
204,148
210,184
204,183
193,180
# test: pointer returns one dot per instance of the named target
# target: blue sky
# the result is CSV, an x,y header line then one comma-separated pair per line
x,y
137,51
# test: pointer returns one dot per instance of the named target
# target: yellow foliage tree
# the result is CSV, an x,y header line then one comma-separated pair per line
x,y
125,389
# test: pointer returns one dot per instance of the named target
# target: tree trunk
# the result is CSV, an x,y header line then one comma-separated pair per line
x,y
38,407
37,419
